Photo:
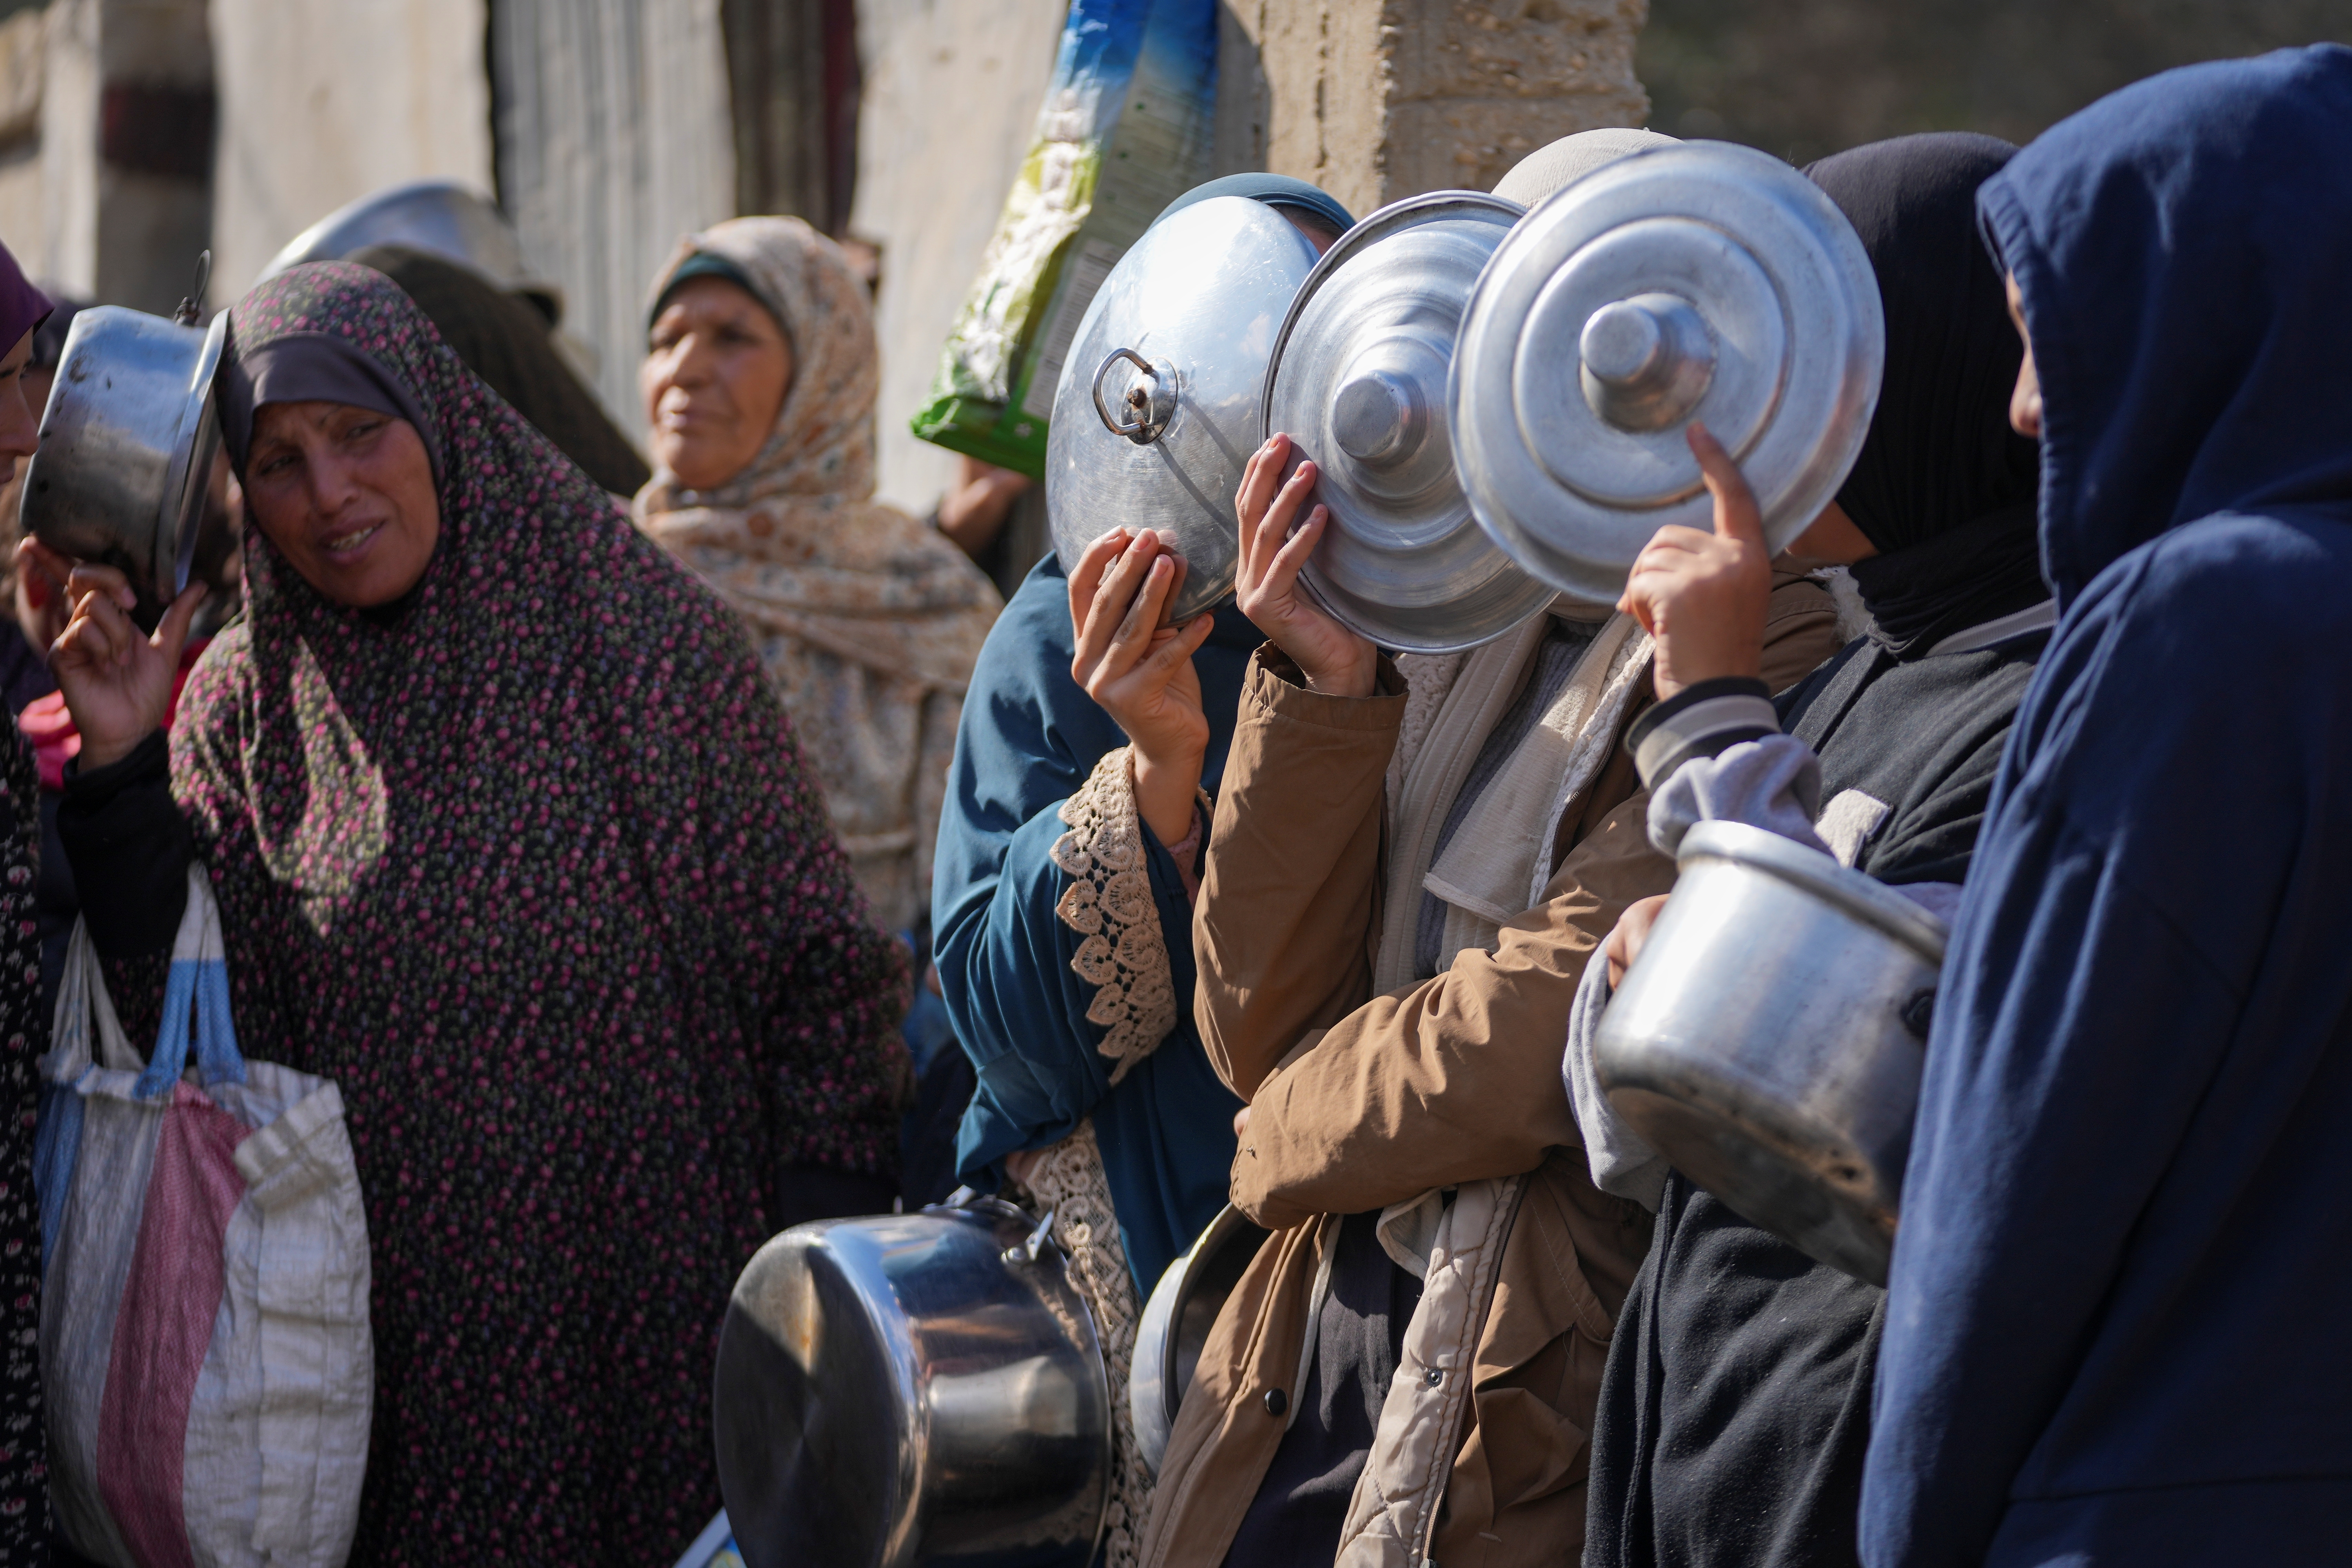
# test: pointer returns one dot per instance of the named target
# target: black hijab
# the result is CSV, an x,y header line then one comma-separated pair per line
x,y
1943,486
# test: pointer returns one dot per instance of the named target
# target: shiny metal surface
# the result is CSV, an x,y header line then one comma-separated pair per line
x,y
1770,1038
1359,381
912,1389
1700,281
127,445
442,216
1195,304
1176,1323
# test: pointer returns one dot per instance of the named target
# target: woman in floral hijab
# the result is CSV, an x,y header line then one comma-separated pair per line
x,y
760,384
513,842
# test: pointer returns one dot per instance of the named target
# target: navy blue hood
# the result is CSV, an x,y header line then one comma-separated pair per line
x,y
2184,248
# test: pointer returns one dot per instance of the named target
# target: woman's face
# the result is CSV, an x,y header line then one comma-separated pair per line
x,y
346,494
2025,400
717,369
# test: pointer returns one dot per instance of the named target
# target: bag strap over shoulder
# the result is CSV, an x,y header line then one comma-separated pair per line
x,y
198,984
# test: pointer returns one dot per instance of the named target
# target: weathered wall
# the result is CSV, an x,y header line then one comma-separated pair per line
x,y
1377,99
1807,78
321,104
950,102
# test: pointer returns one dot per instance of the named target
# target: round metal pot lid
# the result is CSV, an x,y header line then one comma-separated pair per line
x,y
1358,382
1157,410
1704,281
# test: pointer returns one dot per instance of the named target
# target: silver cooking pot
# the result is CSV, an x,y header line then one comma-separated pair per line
x,y
444,218
127,446
1176,1323
1770,1039
912,1389
1156,414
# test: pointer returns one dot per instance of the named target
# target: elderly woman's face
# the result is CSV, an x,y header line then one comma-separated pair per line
x,y
346,494
717,369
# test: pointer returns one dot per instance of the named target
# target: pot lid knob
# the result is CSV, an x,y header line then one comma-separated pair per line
x,y
1647,361
1695,283
1391,402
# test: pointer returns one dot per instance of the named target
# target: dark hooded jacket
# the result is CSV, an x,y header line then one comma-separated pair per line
x,y
2116,1330
1735,1413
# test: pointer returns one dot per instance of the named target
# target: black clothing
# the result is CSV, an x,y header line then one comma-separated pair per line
x,y
1940,457
23,1040
24,674
504,338
1735,1412
1302,1503
129,847
1923,735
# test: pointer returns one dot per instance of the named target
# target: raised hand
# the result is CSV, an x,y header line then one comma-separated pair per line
x,y
1140,671
1332,658
117,681
1702,595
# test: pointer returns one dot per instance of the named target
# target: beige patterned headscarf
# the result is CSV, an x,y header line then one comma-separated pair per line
x,y
867,620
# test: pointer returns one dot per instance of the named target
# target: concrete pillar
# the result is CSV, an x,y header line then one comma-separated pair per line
x,y
1378,99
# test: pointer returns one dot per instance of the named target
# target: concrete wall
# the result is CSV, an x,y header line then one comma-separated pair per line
x,y
1808,78
1379,100
321,103
949,105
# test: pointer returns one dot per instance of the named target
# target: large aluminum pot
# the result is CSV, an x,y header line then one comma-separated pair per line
x,y
1176,1323
912,1389
127,446
1702,281
1156,414
448,219
1768,1040
1358,381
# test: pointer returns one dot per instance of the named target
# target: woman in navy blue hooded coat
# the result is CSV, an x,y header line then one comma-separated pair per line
x,y
2116,1330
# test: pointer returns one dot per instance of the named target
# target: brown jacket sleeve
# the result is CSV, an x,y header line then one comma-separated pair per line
x,y
1458,1078
1289,903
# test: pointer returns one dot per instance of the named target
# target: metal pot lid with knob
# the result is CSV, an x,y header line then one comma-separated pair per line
x,y
912,1389
1358,382
127,444
1768,1040
1157,410
1704,281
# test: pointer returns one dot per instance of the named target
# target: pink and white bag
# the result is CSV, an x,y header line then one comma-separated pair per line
x,y
205,1358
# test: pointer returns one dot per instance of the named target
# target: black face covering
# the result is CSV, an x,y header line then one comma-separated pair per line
x,y
1943,486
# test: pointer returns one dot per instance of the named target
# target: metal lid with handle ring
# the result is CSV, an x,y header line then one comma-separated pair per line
x,y
1358,382
1156,412
1704,281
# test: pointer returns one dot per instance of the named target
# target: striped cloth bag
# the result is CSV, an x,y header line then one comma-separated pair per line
x,y
205,1358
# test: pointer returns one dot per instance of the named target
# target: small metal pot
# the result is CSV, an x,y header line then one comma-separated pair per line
x,y
1770,1039
912,1389
127,447
1176,1323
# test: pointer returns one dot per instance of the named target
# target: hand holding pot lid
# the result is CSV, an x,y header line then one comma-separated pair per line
x,y
1359,382
1699,282
1158,407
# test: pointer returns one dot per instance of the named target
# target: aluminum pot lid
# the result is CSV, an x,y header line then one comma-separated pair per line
x,y
1703,281
1358,384
1156,414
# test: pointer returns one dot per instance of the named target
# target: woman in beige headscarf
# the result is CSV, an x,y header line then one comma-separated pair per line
x,y
759,380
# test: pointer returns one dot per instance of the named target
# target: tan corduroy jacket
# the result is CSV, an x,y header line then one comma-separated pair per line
x,y
1360,1101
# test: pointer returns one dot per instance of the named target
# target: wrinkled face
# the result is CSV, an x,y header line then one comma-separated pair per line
x,y
346,494
717,369
2025,400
